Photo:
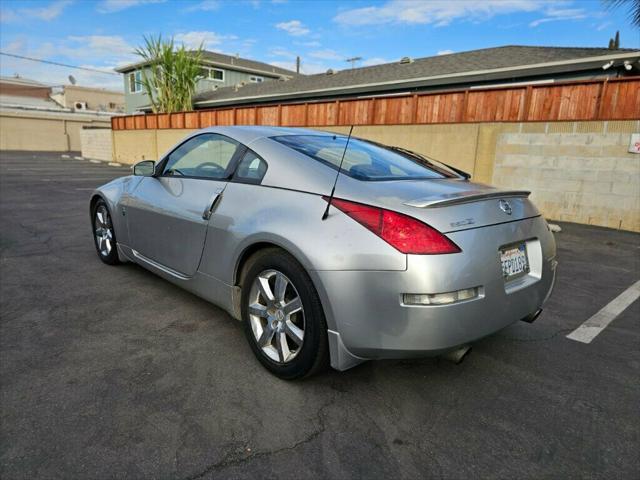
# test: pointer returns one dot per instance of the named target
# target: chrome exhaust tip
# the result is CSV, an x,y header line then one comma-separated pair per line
x,y
458,355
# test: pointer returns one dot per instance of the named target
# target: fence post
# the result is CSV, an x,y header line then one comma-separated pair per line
x,y
526,108
463,111
414,113
372,111
599,103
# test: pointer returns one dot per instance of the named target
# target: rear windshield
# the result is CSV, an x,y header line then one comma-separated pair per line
x,y
364,160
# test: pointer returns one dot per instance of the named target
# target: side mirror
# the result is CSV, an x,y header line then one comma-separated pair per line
x,y
146,168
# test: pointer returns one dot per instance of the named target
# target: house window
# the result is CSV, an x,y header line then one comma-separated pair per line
x,y
256,79
216,74
213,74
135,82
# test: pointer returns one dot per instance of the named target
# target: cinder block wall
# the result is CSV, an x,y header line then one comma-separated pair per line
x,y
132,146
24,133
96,143
45,131
584,174
578,171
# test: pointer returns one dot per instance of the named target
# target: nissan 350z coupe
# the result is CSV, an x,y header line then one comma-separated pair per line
x,y
407,259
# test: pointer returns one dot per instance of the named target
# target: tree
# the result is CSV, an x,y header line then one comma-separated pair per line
x,y
633,6
614,43
171,74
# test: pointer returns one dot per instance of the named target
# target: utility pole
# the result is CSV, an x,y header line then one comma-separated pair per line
x,y
353,61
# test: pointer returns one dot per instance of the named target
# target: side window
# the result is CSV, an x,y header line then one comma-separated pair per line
x,y
251,168
135,82
205,156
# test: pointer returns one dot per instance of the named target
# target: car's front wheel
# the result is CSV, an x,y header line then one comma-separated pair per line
x,y
283,317
104,236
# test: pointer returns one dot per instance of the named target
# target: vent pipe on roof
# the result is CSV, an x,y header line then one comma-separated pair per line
x,y
298,64
406,60
330,72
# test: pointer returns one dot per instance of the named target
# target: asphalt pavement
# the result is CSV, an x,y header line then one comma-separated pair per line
x,y
111,372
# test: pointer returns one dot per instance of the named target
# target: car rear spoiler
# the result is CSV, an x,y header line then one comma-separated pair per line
x,y
464,197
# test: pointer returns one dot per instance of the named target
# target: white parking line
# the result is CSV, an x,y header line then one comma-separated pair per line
x,y
104,179
592,327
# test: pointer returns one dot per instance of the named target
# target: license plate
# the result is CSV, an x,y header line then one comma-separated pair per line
x,y
514,261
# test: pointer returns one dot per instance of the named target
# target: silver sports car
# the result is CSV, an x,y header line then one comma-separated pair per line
x,y
405,258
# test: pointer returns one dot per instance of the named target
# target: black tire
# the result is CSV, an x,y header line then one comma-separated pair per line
x,y
313,355
110,255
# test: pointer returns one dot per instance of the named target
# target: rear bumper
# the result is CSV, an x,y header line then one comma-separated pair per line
x,y
368,319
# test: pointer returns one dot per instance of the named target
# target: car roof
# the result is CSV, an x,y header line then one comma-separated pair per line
x,y
249,133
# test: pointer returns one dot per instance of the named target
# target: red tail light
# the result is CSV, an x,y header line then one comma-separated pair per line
x,y
402,232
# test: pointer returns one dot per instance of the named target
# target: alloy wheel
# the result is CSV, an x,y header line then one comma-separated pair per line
x,y
103,229
277,316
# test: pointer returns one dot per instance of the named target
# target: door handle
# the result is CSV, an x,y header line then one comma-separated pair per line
x,y
206,215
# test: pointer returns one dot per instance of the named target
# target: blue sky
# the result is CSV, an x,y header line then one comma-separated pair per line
x,y
102,34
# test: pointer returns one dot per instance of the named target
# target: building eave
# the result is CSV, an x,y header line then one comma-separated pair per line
x,y
209,63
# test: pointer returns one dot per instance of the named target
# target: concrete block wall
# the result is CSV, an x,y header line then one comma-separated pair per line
x,y
96,143
19,132
584,175
132,146
455,144
578,171
45,131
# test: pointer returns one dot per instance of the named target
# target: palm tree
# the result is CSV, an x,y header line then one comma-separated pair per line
x,y
171,74
632,5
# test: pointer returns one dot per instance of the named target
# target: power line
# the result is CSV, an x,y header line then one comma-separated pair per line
x,y
95,70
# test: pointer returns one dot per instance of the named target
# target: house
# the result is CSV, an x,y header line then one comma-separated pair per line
x,y
476,69
218,70
18,92
78,98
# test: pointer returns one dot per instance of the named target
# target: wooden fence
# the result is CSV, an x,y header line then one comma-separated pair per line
x,y
616,99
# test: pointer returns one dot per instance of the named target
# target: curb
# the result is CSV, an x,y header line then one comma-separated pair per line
x,y
94,160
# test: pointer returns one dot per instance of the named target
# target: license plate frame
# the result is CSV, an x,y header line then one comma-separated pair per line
x,y
514,261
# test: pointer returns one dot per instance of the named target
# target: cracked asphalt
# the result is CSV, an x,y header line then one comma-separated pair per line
x,y
111,372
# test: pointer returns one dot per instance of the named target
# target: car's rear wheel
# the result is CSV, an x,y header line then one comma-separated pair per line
x,y
283,317
104,236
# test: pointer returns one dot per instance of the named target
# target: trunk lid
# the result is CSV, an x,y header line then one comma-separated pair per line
x,y
448,205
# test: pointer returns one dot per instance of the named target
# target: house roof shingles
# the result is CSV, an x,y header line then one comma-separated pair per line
x,y
245,63
443,65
